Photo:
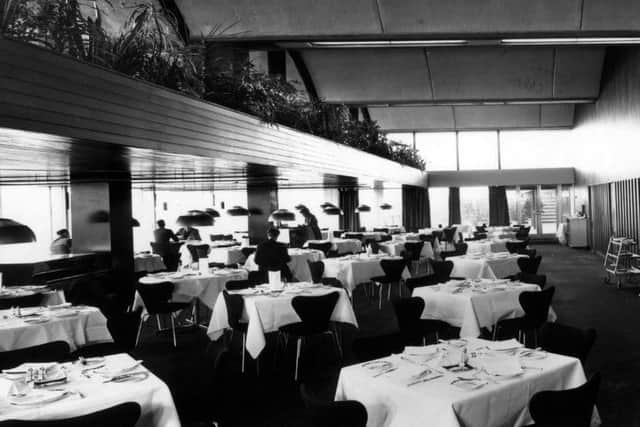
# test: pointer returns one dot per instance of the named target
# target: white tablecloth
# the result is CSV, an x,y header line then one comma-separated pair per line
x,y
149,262
501,235
268,313
396,249
49,297
368,235
483,247
393,229
476,307
352,270
341,246
88,326
228,256
205,287
153,396
298,264
485,267
429,231
437,403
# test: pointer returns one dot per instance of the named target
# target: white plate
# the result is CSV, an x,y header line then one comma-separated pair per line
x,y
37,397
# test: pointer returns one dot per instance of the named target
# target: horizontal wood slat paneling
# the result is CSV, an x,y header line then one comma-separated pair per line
x,y
44,92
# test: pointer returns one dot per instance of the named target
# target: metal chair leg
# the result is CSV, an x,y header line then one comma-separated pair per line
x,y
139,331
173,330
244,345
389,291
495,331
337,340
298,346
158,322
379,296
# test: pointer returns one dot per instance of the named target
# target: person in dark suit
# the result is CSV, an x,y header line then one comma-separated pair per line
x,y
163,235
273,255
188,233
310,220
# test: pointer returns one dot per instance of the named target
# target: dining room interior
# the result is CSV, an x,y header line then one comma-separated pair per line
x,y
300,213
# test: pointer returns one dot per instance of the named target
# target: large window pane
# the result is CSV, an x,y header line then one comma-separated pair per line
x,y
474,205
378,217
311,198
143,210
402,138
438,149
478,150
536,149
439,206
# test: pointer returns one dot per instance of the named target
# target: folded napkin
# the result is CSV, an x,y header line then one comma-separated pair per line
x,y
59,306
505,345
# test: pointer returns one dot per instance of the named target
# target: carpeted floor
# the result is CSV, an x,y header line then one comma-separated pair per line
x,y
204,392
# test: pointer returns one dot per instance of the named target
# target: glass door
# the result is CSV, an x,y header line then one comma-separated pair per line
x,y
528,208
548,210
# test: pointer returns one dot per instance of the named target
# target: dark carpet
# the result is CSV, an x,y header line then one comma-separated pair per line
x,y
207,386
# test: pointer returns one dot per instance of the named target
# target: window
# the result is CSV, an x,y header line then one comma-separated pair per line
x,y
438,149
439,206
536,149
402,138
478,150
312,198
474,205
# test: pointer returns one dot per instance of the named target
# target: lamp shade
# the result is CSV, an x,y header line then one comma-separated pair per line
x,y
327,205
135,222
363,208
238,211
282,215
14,232
195,218
385,206
332,210
212,212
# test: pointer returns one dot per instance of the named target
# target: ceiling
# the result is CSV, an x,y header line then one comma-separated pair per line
x,y
483,83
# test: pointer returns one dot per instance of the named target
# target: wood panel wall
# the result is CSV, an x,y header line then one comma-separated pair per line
x,y
601,225
625,207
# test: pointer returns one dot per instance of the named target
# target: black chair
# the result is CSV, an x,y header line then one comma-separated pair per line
x,y
393,269
375,347
215,237
442,270
33,300
450,234
536,279
477,235
427,238
157,301
460,249
337,233
54,350
385,238
198,251
346,413
565,408
236,285
316,268
567,340
122,415
16,274
170,253
516,247
481,228
412,252
235,307
523,233
530,265
358,236
413,329
323,247
419,281
247,251
258,277
315,314
437,234
375,247
381,230
536,306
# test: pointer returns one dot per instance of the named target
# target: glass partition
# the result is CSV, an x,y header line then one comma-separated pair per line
x,y
439,205
478,150
438,149
474,205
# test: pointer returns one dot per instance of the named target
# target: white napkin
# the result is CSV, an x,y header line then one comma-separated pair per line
x,y
505,345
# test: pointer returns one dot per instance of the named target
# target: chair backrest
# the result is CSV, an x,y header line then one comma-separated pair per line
x,y
481,228
385,238
536,279
324,247
442,269
122,415
51,351
315,311
419,281
236,285
346,413
155,296
375,347
523,233
393,268
567,340
198,251
258,277
337,233
235,307
536,306
479,235
573,407
215,237
461,248
24,301
16,274
358,236
381,230
408,312
530,265
427,238
437,234
375,247
413,250
316,268
246,251
227,237
516,247
450,234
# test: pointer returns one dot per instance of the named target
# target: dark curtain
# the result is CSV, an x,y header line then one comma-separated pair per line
x,y
454,206
498,206
349,201
416,211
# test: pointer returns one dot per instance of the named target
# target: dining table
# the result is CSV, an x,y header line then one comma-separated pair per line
x,y
30,326
266,310
104,382
148,262
49,296
353,270
368,235
487,266
431,385
227,252
486,246
339,245
298,263
474,304
396,248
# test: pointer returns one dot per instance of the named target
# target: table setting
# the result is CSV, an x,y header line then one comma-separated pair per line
x,y
29,326
492,265
456,383
37,391
353,270
267,308
474,304
298,264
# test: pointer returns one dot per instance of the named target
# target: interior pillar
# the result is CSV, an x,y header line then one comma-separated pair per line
x,y
277,63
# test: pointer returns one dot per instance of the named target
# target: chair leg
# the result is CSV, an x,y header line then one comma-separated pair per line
x,y
158,322
389,291
379,296
139,331
336,338
244,345
298,347
495,331
173,330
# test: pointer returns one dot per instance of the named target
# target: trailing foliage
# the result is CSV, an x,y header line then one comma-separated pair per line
x,y
149,49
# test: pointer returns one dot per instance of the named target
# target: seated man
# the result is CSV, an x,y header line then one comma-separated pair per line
x,y
163,235
273,255
62,243
188,233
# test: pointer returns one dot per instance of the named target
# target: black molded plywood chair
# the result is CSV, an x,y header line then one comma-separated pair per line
x,y
316,268
442,270
51,351
157,301
567,340
393,269
530,265
236,285
323,247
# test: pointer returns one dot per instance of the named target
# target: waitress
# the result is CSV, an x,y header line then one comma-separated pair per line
x,y
310,220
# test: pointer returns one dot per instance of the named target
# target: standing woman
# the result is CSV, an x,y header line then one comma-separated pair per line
x,y
310,220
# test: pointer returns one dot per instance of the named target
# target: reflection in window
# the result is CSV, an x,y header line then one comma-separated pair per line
x,y
536,149
438,149
474,205
439,204
478,150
